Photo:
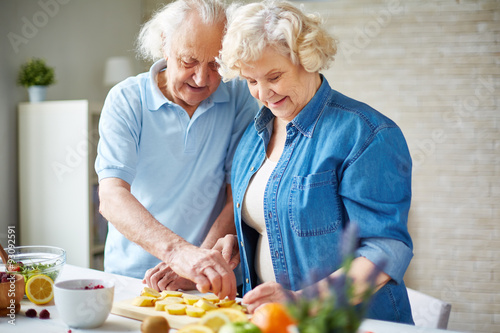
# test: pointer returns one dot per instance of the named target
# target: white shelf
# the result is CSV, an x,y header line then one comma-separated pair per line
x,y
57,148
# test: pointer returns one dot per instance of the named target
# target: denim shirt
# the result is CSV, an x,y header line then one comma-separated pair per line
x,y
342,161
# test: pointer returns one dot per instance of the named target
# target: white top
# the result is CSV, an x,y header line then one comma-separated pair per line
x,y
252,213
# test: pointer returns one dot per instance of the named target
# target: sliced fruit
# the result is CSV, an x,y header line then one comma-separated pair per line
x,y
176,309
194,328
193,311
239,307
170,293
205,305
150,292
234,315
160,305
144,301
226,303
40,289
212,298
173,300
214,320
190,299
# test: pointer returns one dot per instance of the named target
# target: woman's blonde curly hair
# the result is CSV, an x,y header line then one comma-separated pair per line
x,y
278,24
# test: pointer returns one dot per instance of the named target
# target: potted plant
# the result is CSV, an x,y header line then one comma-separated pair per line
x,y
35,75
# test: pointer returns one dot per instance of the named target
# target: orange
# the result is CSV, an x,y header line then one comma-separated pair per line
x,y
272,318
40,289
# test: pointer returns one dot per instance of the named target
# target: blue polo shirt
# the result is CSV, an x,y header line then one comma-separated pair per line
x,y
177,166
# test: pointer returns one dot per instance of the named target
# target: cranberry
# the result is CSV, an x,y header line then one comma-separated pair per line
x,y
31,313
44,314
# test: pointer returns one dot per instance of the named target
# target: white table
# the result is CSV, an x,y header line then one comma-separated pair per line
x,y
126,288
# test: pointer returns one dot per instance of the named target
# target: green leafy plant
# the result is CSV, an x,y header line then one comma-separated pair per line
x,y
339,310
35,72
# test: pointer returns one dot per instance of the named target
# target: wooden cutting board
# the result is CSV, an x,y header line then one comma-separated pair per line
x,y
126,309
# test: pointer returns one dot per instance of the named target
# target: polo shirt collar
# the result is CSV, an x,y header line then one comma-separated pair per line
x,y
307,118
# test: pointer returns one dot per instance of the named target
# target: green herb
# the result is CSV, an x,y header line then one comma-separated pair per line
x,y
35,72
28,270
336,311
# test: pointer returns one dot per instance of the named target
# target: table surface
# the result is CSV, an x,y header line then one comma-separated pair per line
x,y
126,288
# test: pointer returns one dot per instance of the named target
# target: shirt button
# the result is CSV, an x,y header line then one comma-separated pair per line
x,y
270,215
277,254
238,205
252,169
247,281
241,243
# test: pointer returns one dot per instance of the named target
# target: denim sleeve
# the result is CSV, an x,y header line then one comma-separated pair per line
x,y
376,191
119,131
246,109
393,255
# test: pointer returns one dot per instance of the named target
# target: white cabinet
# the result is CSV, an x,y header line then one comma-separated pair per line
x,y
57,181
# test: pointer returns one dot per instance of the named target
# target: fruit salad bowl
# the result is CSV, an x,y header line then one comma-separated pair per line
x,y
33,260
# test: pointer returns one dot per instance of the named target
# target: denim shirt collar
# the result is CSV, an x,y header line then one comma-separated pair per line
x,y
155,98
306,120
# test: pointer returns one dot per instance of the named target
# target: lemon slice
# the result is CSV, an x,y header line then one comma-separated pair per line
x,y
40,289
194,328
214,320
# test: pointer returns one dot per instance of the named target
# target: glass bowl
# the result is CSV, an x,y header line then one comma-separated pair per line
x,y
48,260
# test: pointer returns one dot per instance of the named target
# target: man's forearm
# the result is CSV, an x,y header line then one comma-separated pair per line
x,y
133,220
223,225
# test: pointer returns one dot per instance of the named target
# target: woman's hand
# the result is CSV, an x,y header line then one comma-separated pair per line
x,y
268,292
228,247
162,277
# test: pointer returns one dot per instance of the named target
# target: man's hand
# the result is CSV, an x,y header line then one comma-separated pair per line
x,y
228,247
162,277
205,267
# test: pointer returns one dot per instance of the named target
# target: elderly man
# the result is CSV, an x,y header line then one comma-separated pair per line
x,y
167,139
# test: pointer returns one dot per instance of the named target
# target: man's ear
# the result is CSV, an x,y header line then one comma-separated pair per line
x,y
165,55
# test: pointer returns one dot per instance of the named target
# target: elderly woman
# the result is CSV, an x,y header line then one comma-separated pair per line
x,y
312,160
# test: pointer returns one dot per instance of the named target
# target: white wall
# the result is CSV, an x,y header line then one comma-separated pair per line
x,y
75,37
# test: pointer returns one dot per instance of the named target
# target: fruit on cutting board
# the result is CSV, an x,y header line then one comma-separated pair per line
x,y
191,305
205,305
155,324
144,301
176,309
193,311
150,292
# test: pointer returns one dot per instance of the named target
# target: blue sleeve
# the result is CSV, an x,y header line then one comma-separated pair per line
x,y
119,132
246,109
376,191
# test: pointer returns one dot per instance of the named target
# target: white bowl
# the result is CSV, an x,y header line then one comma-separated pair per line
x,y
84,308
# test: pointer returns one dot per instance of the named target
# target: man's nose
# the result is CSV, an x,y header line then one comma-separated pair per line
x,y
200,75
